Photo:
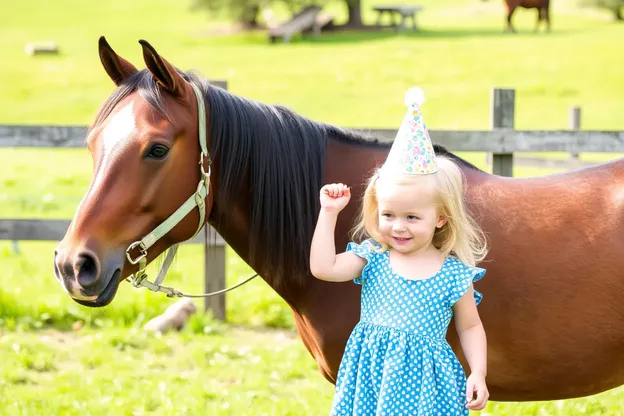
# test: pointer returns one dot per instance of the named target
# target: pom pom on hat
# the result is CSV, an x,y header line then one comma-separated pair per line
x,y
414,95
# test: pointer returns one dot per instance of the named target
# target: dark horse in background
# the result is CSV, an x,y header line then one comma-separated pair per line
x,y
553,306
542,7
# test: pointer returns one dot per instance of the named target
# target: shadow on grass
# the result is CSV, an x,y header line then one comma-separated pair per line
x,y
368,35
337,36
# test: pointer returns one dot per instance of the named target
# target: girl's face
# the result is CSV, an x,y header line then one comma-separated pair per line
x,y
408,215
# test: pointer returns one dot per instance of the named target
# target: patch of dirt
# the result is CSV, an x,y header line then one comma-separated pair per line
x,y
62,339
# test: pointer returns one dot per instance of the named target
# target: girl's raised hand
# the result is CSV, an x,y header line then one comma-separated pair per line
x,y
335,196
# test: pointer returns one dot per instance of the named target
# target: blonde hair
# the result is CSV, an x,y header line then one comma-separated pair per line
x,y
460,235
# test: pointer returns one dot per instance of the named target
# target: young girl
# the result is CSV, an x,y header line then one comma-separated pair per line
x,y
416,268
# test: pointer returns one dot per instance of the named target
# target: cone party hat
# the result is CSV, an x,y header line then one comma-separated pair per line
x,y
412,151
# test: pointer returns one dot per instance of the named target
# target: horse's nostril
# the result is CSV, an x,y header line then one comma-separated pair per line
x,y
63,269
86,270
57,270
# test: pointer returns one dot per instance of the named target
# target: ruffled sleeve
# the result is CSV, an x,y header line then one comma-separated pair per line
x,y
464,277
365,251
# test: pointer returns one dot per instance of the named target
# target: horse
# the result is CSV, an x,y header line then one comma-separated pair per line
x,y
552,307
543,12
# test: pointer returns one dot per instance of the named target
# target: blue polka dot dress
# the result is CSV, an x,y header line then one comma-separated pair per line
x,y
397,360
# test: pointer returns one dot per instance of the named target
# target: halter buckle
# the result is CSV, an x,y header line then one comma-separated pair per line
x,y
142,249
205,175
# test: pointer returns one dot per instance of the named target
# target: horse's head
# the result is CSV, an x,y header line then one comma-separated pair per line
x,y
147,158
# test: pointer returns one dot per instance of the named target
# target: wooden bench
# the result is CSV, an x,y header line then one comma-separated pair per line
x,y
322,20
41,48
404,12
303,21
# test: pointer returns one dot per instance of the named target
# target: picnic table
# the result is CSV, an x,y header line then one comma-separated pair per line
x,y
309,19
404,12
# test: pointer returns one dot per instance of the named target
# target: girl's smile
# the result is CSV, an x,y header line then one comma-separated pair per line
x,y
401,240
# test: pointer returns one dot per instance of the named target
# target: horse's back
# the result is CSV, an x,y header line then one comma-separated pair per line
x,y
554,280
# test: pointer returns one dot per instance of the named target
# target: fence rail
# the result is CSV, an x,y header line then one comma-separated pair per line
x,y
502,141
54,230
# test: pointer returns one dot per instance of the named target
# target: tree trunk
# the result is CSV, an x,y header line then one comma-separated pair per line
x,y
249,16
617,13
355,13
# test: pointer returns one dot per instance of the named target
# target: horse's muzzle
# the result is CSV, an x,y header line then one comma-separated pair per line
x,y
81,274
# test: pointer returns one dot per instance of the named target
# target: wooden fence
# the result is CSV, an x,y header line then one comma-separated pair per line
x,y
501,141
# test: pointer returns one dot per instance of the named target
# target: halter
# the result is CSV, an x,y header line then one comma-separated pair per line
x,y
198,199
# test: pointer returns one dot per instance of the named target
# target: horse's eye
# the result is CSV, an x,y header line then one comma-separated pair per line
x,y
158,151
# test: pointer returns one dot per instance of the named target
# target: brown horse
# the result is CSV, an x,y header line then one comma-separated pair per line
x,y
552,309
543,12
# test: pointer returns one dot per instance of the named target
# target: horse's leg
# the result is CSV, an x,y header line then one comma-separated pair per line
x,y
509,25
540,16
547,17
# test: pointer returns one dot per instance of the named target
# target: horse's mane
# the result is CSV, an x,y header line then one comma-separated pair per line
x,y
280,152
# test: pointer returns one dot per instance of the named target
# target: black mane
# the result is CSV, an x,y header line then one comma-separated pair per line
x,y
282,155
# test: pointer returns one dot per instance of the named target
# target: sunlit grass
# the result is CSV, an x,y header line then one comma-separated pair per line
x,y
350,79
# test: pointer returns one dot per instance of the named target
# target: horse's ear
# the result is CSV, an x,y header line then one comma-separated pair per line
x,y
163,72
117,68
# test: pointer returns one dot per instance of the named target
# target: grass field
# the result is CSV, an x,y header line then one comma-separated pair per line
x,y
350,79
208,369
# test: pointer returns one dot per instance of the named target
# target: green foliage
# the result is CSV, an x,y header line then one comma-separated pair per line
x,y
608,4
248,11
614,5
245,11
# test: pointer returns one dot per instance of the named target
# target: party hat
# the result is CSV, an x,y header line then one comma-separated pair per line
x,y
412,151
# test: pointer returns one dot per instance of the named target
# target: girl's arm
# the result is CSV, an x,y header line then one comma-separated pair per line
x,y
324,263
474,344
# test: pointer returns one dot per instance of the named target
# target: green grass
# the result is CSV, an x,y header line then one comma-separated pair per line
x,y
350,79
208,369
222,372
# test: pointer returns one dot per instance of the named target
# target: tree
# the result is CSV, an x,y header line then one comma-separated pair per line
x,y
614,5
355,13
242,11
248,11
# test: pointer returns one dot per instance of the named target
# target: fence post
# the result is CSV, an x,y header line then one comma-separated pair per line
x,y
502,116
214,265
575,124
214,274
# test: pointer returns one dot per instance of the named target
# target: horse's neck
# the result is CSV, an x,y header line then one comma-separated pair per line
x,y
344,161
